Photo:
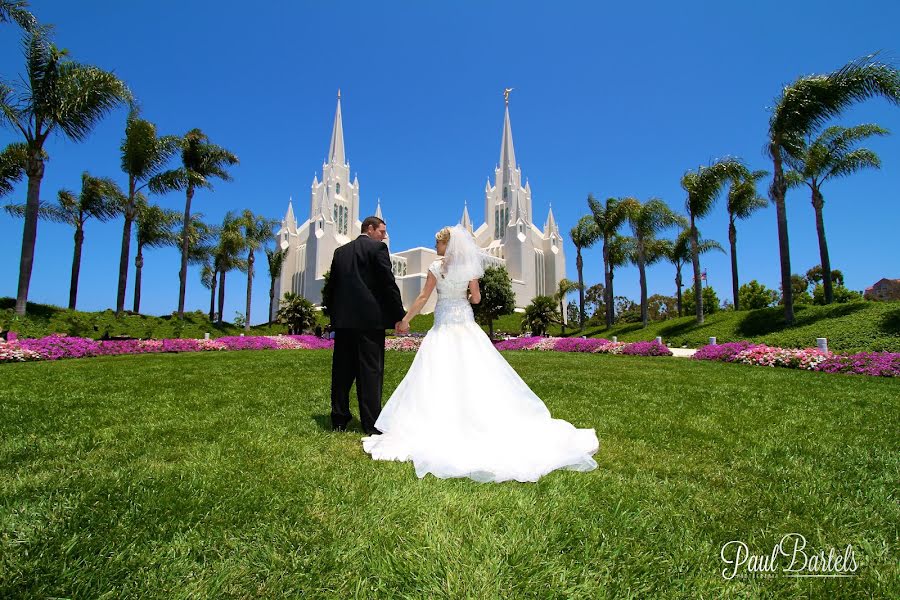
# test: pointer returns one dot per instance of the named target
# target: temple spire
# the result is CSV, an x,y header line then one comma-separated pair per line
x,y
507,151
378,210
465,221
550,226
336,149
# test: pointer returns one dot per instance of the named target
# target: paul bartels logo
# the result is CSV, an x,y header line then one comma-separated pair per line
x,y
791,555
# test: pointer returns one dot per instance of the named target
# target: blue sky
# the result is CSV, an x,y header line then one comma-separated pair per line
x,y
612,99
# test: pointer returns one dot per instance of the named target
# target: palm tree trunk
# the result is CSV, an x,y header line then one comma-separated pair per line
x,y
732,240
138,266
678,285
76,267
271,300
579,264
35,172
695,260
779,189
607,279
818,203
562,314
642,271
491,328
185,247
126,249
212,296
249,289
221,297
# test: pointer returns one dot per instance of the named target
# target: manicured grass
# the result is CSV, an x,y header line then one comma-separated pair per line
x,y
852,327
215,475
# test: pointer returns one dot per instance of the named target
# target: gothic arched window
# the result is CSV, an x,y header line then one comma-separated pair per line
x,y
337,188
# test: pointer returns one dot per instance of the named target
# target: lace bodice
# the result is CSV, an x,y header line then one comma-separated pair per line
x,y
452,303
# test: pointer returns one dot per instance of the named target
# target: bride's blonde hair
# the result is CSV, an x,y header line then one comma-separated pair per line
x,y
443,235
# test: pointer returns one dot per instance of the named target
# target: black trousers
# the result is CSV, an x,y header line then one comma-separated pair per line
x,y
358,356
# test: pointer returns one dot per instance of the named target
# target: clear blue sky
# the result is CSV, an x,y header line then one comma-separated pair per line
x,y
610,98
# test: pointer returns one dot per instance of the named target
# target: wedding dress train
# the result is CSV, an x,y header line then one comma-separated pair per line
x,y
462,411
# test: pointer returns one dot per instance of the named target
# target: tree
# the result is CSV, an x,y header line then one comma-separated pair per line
x,y
679,254
226,254
15,11
841,294
608,216
703,187
801,109
540,314
572,311
829,156
99,199
201,162
661,307
755,295
56,95
743,201
12,166
627,310
799,290
275,260
646,221
563,288
143,157
621,252
815,276
257,230
297,313
584,235
497,297
594,299
709,298
155,229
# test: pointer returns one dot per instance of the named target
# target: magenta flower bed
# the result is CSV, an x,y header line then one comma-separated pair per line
x,y
56,347
593,345
880,364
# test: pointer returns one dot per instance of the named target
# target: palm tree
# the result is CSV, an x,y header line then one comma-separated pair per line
x,y
743,200
12,166
563,289
226,254
275,258
646,221
621,252
829,156
143,157
15,11
257,231
678,252
202,247
99,199
155,229
802,108
56,94
703,187
608,216
584,235
201,161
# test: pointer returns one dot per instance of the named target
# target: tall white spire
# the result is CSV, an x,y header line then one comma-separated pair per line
x,y
465,221
336,149
507,151
550,226
378,210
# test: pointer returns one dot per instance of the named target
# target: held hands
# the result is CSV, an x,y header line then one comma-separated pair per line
x,y
401,327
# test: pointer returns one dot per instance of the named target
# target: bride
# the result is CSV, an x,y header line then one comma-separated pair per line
x,y
461,410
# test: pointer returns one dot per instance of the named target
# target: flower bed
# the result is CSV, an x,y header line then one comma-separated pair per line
x,y
882,364
56,347
593,345
403,344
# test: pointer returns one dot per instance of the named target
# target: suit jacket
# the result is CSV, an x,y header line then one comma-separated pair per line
x,y
363,292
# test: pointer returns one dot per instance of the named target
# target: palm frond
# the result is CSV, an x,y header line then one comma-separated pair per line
x,y
84,94
13,159
16,11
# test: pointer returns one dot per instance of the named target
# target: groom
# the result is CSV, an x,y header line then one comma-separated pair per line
x,y
364,301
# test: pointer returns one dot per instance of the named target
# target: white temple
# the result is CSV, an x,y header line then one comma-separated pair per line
x,y
533,257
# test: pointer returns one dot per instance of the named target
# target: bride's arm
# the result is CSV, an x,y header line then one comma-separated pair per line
x,y
474,292
421,299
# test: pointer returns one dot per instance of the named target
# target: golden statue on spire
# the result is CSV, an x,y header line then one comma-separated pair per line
x,y
506,95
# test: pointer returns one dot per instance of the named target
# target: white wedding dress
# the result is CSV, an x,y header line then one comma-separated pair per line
x,y
462,411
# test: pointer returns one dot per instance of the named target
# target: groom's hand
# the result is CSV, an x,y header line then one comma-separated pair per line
x,y
401,327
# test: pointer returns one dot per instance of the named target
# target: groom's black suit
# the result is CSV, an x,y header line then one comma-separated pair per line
x,y
364,301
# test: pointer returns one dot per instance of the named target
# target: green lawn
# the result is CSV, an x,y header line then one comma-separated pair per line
x,y
215,475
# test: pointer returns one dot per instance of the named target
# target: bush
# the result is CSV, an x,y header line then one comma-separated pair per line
x,y
841,295
755,295
710,301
